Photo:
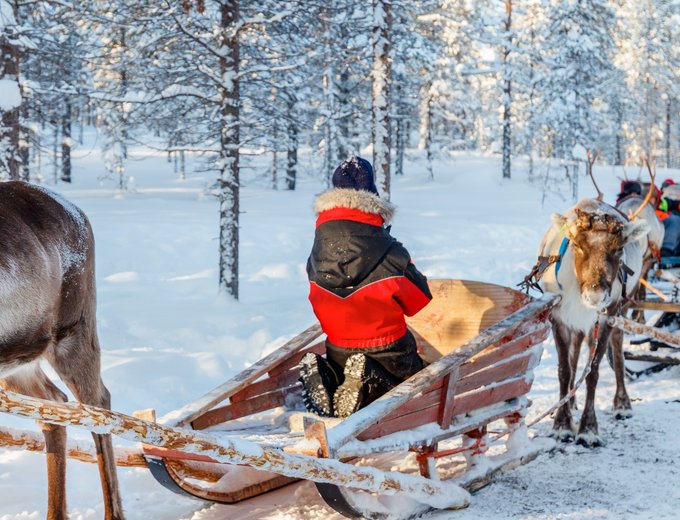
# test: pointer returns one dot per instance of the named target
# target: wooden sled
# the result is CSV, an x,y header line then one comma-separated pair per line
x,y
250,435
655,345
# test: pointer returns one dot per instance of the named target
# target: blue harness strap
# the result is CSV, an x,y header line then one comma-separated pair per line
x,y
558,264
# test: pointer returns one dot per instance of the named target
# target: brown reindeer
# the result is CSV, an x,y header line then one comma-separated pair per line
x,y
595,254
47,311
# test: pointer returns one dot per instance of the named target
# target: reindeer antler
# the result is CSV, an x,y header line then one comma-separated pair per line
x,y
649,163
592,157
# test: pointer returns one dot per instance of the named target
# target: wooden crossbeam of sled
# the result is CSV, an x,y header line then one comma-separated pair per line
x,y
482,342
656,305
633,327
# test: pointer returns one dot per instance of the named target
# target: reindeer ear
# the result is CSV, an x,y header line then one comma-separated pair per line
x,y
558,220
635,230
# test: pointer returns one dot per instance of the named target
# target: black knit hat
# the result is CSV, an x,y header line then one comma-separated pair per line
x,y
356,174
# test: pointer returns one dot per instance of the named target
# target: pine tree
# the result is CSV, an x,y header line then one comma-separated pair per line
x,y
11,103
577,73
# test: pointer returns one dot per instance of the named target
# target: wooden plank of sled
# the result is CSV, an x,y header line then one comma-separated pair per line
x,y
500,371
448,391
379,409
498,374
437,494
653,357
84,452
460,424
649,305
184,476
498,353
506,362
239,409
634,327
185,415
319,348
266,385
271,392
462,404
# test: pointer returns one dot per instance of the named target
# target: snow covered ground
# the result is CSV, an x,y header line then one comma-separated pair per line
x,y
168,336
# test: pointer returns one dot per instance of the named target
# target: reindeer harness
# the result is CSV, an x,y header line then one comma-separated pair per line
x,y
531,281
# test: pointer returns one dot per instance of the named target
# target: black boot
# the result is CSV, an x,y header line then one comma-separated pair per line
x,y
348,397
319,383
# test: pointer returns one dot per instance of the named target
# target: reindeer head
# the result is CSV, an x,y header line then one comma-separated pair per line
x,y
598,239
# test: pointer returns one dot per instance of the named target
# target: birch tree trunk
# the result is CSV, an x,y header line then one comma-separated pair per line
x,y
425,130
381,84
10,162
229,181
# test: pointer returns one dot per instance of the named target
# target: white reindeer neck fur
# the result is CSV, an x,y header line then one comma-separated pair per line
x,y
354,199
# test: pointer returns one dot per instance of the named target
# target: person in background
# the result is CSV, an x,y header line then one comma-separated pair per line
x,y
668,211
362,284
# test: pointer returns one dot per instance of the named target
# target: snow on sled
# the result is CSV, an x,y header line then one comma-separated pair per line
x,y
250,435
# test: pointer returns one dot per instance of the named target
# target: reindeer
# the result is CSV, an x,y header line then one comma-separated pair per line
x,y
47,312
635,206
593,254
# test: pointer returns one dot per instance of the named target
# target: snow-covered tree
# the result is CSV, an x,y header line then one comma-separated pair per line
x,y
10,92
578,72
381,84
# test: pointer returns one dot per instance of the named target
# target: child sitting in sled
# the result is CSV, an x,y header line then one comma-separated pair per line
x,y
362,283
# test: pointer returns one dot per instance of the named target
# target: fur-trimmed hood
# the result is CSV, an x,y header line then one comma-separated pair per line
x,y
354,199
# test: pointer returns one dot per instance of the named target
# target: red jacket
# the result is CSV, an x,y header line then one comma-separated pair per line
x,y
362,280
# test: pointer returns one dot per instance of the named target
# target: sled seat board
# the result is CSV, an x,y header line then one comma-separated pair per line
x,y
459,311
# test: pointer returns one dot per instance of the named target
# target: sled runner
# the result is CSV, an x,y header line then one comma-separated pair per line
x,y
251,434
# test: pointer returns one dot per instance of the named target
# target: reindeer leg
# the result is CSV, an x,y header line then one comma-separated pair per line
x,y
588,434
622,406
574,352
563,428
76,360
31,380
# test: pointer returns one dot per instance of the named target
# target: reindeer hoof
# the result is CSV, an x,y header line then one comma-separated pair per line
x,y
589,440
622,414
563,435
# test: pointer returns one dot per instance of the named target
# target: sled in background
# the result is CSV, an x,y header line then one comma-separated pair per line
x,y
654,345
250,435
